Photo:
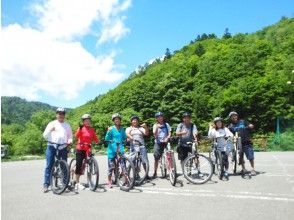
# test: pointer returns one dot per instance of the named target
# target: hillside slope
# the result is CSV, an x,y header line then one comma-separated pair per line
x,y
19,111
210,77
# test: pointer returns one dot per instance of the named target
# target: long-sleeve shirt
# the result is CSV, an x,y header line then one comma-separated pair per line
x,y
86,135
115,136
61,134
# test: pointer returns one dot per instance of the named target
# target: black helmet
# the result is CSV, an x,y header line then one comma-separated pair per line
x,y
186,114
135,117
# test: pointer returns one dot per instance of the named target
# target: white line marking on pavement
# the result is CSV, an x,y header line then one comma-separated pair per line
x,y
280,163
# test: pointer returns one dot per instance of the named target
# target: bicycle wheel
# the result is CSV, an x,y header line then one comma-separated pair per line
x,y
212,158
72,170
162,167
59,176
219,165
197,169
93,174
172,170
141,169
126,174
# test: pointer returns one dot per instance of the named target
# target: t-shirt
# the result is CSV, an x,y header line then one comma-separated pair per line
x,y
137,133
115,136
188,137
162,132
222,132
242,127
86,135
62,133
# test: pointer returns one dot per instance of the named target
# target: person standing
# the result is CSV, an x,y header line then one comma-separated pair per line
x,y
187,132
162,132
244,128
57,132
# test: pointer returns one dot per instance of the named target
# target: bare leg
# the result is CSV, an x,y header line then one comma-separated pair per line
x,y
155,167
77,178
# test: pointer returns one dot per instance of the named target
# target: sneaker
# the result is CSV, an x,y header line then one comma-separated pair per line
x,y
226,175
79,187
45,189
253,172
110,185
154,176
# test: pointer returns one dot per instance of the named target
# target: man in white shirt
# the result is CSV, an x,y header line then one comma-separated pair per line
x,y
58,133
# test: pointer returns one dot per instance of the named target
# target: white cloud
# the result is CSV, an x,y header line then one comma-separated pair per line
x,y
50,59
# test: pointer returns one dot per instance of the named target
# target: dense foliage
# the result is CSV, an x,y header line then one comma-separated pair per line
x,y
209,77
19,111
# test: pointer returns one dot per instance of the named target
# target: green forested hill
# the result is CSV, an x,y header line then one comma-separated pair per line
x,y
209,77
19,111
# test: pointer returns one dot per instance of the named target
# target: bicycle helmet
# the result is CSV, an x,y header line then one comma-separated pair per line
x,y
86,116
233,113
60,110
135,117
186,114
116,115
217,119
158,114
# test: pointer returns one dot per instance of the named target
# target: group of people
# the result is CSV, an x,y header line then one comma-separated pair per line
x,y
58,132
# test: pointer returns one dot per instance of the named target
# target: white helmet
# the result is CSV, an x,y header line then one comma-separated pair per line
x,y
60,109
86,116
115,115
233,113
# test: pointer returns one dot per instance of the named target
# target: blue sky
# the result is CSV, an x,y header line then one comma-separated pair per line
x,y
147,28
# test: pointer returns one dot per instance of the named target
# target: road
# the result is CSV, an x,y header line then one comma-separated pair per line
x,y
269,195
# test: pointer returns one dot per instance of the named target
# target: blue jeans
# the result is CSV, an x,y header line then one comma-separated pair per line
x,y
50,155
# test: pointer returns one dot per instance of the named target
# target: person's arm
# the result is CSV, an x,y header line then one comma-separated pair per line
x,y
178,131
145,130
211,133
155,130
228,132
69,135
128,133
248,125
169,131
95,137
195,132
108,136
48,130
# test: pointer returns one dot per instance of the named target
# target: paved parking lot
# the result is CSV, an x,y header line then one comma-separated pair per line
x,y
269,195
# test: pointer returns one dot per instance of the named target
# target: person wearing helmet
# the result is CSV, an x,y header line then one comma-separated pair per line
x,y
115,134
244,129
162,132
136,134
186,132
219,133
56,132
85,135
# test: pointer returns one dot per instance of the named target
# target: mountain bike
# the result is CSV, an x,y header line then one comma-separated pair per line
x,y
197,168
59,177
168,164
219,158
141,168
237,147
124,170
89,164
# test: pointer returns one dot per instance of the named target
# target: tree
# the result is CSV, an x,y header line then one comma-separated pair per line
x,y
167,54
227,34
199,51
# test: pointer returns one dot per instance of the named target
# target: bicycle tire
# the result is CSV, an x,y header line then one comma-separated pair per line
x,y
162,167
173,171
138,167
59,174
93,184
72,169
130,172
220,166
202,159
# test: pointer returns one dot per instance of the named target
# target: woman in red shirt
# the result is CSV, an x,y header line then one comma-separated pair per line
x,y
85,135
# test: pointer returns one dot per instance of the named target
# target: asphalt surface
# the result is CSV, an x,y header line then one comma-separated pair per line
x,y
269,195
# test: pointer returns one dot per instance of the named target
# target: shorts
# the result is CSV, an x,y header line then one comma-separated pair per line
x,y
248,151
158,150
112,165
143,153
183,152
80,156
